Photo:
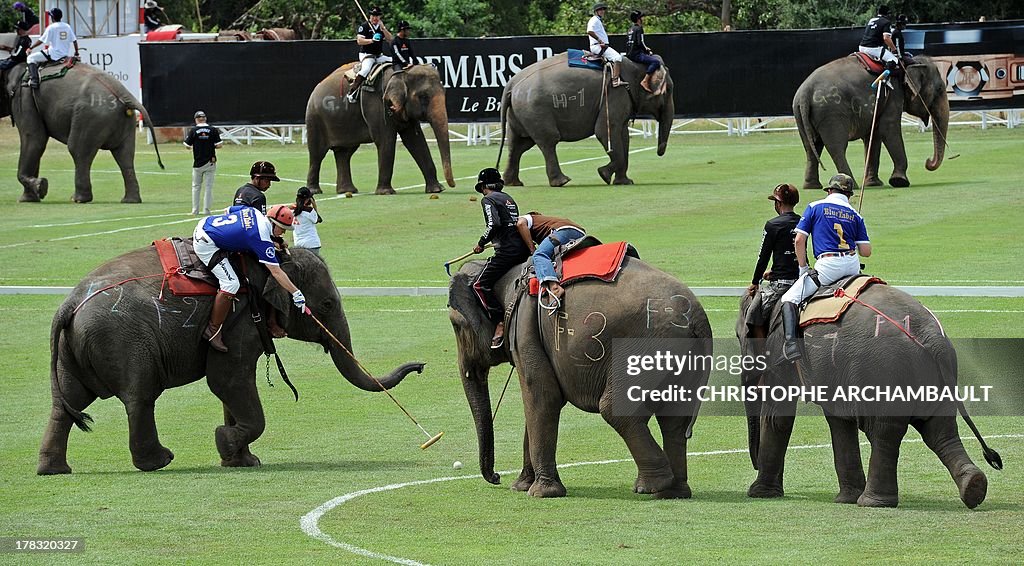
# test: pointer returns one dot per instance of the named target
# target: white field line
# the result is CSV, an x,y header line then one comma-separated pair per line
x,y
309,523
107,220
75,237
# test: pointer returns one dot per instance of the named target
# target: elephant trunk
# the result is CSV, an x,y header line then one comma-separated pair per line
x,y
668,112
437,115
354,372
940,125
474,381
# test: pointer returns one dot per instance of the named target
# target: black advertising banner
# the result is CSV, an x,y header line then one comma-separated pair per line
x,y
721,74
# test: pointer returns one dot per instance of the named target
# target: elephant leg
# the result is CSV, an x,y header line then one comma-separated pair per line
x,y
882,489
898,153
942,436
244,458
846,455
386,163
872,154
554,171
771,454
811,179
242,401
517,146
654,472
542,406
837,150
143,441
673,434
527,476
316,147
32,148
620,158
125,158
83,158
416,143
53,453
343,166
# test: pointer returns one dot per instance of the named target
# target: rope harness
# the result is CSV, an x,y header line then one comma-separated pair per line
x,y
842,293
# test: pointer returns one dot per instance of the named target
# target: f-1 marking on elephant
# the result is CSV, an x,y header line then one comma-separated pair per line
x,y
550,102
835,106
126,342
84,109
567,358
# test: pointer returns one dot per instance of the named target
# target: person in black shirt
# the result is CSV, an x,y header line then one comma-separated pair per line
x,y
19,53
153,16
877,38
27,15
637,50
203,139
777,246
402,47
370,37
897,37
500,215
251,194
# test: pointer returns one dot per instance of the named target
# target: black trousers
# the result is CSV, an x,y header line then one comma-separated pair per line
x,y
497,266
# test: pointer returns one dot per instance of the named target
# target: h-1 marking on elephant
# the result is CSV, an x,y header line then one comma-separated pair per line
x,y
562,100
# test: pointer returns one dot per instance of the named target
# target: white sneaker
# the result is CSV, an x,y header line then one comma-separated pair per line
x,y
351,98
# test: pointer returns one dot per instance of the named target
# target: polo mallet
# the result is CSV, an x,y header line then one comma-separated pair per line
x,y
448,264
917,93
431,438
871,138
361,11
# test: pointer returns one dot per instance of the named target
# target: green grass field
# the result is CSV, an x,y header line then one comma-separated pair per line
x,y
696,213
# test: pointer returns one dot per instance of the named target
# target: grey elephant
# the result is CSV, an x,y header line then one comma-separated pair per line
x,y
864,349
835,105
88,111
550,102
115,336
401,101
567,358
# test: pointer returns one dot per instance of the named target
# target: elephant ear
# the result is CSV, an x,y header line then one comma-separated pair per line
x,y
462,298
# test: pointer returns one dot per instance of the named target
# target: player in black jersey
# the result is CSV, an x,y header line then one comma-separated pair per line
x,y
777,246
251,194
402,47
637,50
370,36
877,38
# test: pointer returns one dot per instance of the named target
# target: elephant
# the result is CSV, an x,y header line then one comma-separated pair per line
x,y
87,110
864,349
400,102
835,105
121,333
550,102
567,358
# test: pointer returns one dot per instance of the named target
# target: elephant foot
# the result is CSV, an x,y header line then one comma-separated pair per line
x,y
524,482
660,480
434,188
384,191
53,464
514,182
973,487
245,459
347,189
675,492
29,196
42,187
871,500
899,182
873,182
81,197
606,174
131,199
542,488
848,495
559,181
814,185
160,458
315,189
228,445
761,491
622,180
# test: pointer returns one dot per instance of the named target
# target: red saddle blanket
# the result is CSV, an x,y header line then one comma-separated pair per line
x,y
177,269
596,262
871,64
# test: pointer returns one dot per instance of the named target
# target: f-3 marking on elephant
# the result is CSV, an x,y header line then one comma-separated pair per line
x,y
400,102
835,105
863,349
125,342
568,359
550,102
85,110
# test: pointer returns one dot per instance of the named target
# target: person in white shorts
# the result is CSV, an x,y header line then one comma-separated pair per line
x,y
57,40
306,218
599,42
370,36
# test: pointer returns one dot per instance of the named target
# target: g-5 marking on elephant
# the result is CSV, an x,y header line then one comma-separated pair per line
x,y
864,350
835,105
401,101
126,342
577,369
550,102
86,110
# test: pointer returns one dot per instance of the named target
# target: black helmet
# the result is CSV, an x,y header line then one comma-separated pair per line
x,y
635,15
56,13
403,25
264,169
785,194
842,183
600,6
901,21
303,193
490,178
376,11
883,10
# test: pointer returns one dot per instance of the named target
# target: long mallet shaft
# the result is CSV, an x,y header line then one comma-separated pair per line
x,y
431,439
361,11
448,264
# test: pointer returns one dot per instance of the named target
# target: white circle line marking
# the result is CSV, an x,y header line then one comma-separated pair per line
x,y
310,522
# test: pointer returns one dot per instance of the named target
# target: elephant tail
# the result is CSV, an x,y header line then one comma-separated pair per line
x,y
60,323
947,368
991,456
506,104
804,125
149,124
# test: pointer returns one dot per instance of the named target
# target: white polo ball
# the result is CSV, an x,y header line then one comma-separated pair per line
x,y
457,465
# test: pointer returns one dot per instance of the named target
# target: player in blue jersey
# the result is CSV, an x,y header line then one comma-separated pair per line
x,y
241,229
838,234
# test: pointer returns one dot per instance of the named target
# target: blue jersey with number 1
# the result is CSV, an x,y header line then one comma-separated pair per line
x,y
243,229
833,225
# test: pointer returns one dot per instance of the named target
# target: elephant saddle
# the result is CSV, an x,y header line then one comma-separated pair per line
x,y
584,60
187,276
871,65
588,258
371,79
828,306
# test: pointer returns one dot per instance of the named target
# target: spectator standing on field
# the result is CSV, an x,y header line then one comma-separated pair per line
x,y
204,140
306,218
153,16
